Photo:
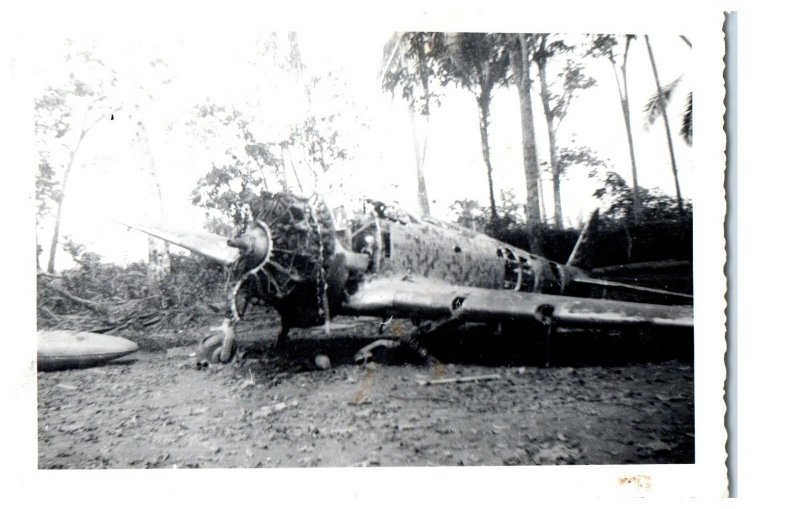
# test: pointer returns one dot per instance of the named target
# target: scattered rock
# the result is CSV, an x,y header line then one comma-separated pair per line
x,y
322,361
364,413
556,454
658,446
518,456
270,409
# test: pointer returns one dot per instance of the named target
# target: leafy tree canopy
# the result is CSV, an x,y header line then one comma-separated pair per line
x,y
618,199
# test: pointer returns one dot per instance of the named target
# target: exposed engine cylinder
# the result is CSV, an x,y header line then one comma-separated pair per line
x,y
285,259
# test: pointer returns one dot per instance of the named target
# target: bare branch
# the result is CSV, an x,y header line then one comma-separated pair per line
x,y
94,306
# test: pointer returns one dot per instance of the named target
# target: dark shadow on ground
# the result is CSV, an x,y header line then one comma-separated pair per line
x,y
481,345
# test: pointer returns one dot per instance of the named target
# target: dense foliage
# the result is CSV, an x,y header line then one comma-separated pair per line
x,y
104,295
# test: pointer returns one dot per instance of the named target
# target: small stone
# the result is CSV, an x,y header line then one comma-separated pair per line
x,y
658,446
322,361
263,411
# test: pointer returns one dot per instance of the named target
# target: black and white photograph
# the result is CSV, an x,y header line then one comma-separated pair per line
x,y
320,249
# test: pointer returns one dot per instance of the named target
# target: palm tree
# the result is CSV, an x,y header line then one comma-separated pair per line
x,y
479,62
410,61
653,107
520,65
604,46
662,107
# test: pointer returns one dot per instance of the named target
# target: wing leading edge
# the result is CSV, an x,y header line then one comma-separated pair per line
x,y
431,300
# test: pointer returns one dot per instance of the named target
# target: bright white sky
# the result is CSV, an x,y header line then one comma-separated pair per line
x,y
108,179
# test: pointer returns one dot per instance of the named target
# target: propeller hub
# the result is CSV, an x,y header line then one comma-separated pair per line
x,y
254,243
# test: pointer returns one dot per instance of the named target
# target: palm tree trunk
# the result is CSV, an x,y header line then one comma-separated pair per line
x,y
662,105
419,158
422,191
626,114
483,110
529,155
551,135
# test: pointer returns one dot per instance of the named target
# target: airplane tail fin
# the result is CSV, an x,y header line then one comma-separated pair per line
x,y
589,278
580,253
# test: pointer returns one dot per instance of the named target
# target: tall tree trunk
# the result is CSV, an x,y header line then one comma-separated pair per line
x,y
663,105
555,165
483,111
419,158
530,158
158,263
73,153
622,88
51,261
557,214
419,152
541,200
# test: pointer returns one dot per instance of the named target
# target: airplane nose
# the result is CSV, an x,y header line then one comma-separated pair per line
x,y
254,243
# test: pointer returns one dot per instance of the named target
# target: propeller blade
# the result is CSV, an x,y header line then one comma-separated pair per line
x,y
202,243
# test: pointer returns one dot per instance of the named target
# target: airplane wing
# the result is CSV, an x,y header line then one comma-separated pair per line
x,y
433,300
202,243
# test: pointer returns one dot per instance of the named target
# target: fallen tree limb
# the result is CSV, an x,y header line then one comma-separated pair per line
x,y
459,380
47,274
50,314
94,306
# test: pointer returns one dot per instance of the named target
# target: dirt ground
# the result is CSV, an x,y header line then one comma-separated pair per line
x,y
154,409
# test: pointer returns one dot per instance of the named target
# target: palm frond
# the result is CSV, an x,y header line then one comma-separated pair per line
x,y
652,108
686,124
